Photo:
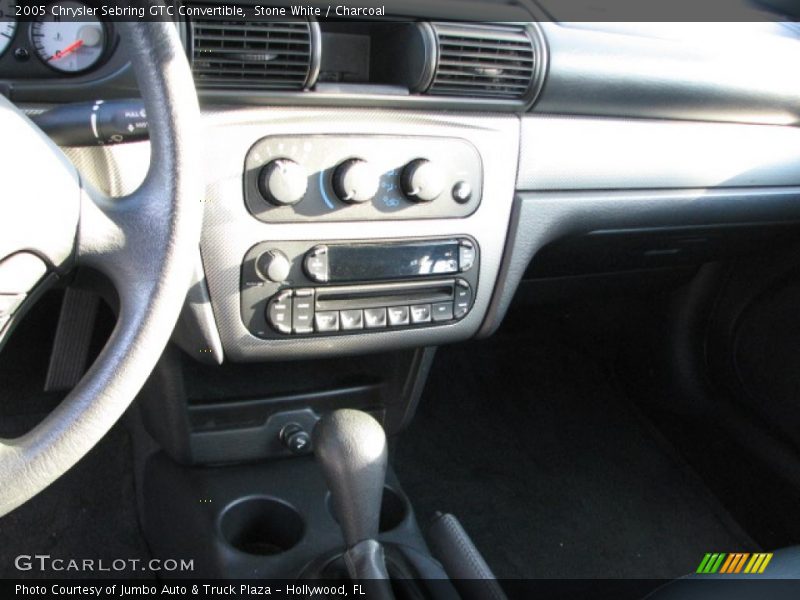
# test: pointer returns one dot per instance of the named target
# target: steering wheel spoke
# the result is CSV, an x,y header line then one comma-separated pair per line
x,y
41,206
145,243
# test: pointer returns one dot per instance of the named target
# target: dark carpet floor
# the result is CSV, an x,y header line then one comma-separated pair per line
x,y
89,513
527,440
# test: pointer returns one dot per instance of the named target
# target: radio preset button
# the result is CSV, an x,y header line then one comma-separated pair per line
x,y
466,255
279,312
421,313
303,311
327,321
316,264
374,318
351,319
398,316
443,311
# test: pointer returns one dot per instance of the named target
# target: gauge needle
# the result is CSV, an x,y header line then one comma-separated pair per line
x,y
68,50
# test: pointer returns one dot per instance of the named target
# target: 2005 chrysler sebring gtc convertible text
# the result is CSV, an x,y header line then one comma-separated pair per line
x,y
475,299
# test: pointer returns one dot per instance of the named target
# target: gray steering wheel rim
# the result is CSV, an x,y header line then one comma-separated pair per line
x,y
146,243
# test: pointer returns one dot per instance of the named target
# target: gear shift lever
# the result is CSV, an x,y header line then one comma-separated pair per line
x,y
351,448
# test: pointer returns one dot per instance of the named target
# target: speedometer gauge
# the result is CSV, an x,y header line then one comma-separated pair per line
x,y
8,23
65,44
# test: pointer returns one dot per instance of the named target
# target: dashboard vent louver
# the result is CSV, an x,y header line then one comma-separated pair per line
x,y
253,55
489,61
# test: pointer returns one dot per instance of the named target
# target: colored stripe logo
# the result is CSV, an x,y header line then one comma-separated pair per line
x,y
735,562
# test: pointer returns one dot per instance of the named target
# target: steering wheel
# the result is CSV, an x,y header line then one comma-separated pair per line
x,y
145,243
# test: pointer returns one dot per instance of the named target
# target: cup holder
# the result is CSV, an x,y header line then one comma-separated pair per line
x,y
261,526
394,509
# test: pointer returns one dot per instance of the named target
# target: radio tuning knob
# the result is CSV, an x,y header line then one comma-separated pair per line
x,y
422,181
283,182
273,265
356,181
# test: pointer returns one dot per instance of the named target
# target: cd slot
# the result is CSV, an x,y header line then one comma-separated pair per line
x,y
370,296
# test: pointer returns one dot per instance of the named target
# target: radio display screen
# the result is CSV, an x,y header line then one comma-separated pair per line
x,y
363,262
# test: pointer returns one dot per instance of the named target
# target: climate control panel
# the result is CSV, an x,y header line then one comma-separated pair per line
x,y
356,178
302,288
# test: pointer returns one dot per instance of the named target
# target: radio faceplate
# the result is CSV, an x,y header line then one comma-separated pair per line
x,y
287,288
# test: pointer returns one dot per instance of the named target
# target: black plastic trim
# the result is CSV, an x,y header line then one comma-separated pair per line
x,y
539,218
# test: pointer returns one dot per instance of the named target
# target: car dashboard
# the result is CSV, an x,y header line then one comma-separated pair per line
x,y
531,262
386,183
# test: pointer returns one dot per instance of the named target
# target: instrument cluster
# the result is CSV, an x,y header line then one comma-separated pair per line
x,y
61,38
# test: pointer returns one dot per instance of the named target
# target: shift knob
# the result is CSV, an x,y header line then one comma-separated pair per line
x,y
351,449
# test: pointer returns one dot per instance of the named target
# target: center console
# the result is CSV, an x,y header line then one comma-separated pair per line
x,y
331,232
328,234
340,518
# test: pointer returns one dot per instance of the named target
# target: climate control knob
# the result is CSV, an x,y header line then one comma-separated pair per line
x,y
356,181
283,182
422,181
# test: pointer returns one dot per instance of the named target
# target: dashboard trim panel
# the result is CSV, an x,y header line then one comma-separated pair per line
x,y
540,218
584,153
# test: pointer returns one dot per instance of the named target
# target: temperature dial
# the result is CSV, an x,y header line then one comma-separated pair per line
x,y
356,181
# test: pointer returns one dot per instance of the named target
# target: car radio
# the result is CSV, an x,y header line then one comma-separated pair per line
x,y
306,288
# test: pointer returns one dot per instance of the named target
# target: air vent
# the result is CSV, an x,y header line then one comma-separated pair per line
x,y
484,61
254,55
